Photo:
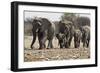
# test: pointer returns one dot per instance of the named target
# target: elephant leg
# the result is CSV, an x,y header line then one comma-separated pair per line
x,y
87,43
79,44
75,43
50,45
42,45
67,45
61,43
42,41
50,36
61,46
84,44
40,38
70,39
33,41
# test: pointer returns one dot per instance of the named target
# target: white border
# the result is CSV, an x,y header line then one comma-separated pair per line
x,y
22,64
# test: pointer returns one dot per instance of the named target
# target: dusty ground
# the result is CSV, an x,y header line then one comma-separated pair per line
x,y
55,53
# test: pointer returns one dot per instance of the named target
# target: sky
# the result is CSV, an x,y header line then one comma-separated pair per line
x,y
52,16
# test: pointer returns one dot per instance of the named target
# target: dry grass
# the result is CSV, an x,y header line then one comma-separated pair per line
x,y
54,53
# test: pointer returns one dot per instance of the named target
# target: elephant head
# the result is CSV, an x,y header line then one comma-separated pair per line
x,y
36,24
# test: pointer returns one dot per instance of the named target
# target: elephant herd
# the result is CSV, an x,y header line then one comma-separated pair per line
x,y
64,31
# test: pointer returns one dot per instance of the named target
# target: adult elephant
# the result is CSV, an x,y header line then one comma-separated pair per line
x,y
66,28
77,38
85,35
44,28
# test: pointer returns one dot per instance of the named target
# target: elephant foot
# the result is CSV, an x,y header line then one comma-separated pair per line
x,y
48,47
40,48
32,47
66,46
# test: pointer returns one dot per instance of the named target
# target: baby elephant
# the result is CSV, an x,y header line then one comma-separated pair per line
x,y
85,36
61,39
77,38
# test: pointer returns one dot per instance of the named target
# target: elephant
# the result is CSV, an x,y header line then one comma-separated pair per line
x,y
61,39
69,32
85,35
77,38
66,28
45,31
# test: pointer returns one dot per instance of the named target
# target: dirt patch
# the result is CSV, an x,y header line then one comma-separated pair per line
x,y
56,54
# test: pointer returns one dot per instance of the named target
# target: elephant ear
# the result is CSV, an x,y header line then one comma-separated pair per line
x,y
39,21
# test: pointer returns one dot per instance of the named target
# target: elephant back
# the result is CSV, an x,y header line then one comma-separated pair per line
x,y
46,24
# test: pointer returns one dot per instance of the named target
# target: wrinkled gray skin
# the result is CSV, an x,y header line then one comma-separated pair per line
x,y
67,30
77,38
69,34
85,35
43,27
61,39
